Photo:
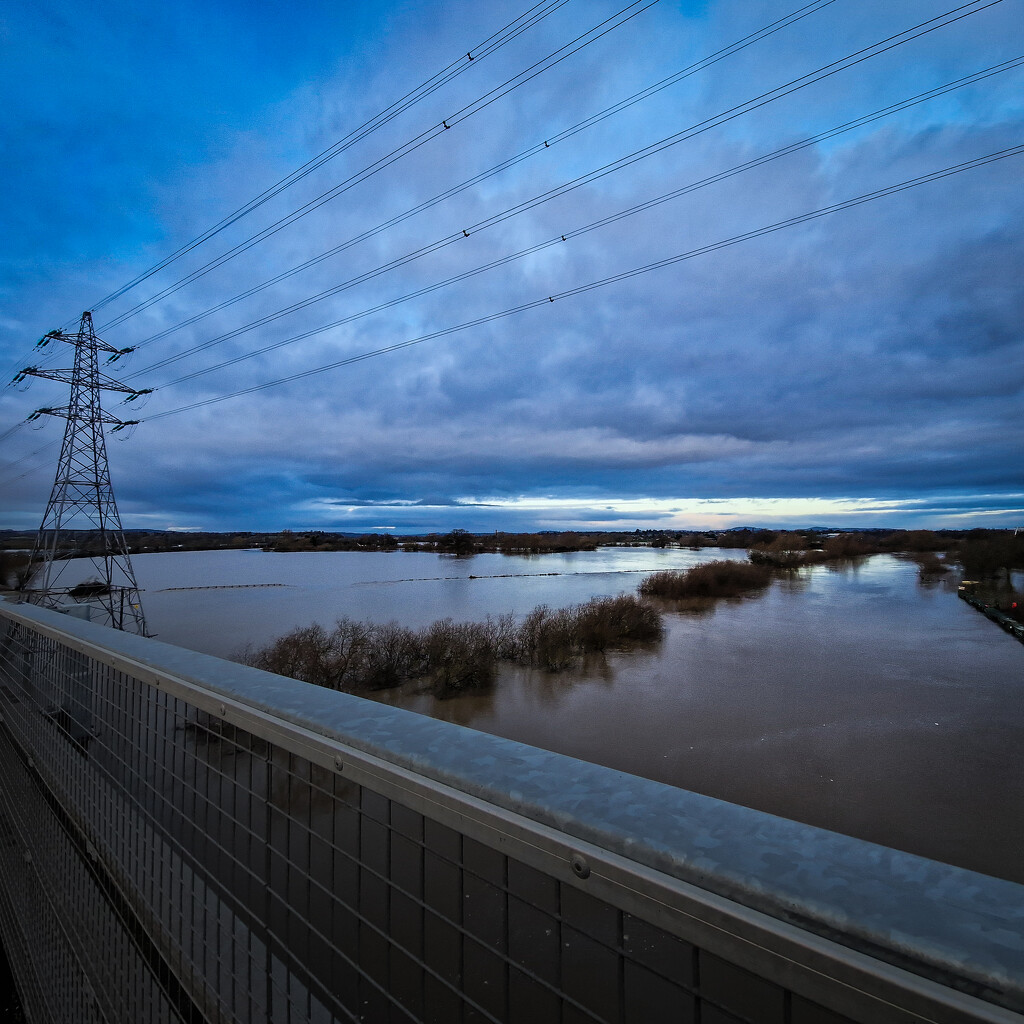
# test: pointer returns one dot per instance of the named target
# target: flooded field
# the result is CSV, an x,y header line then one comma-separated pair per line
x,y
852,698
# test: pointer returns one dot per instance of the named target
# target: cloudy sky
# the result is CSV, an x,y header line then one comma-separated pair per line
x,y
863,366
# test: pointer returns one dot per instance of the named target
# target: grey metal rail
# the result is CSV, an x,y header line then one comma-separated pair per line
x,y
186,839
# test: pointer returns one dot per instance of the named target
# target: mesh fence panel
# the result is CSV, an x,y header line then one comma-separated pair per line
x,y
159,864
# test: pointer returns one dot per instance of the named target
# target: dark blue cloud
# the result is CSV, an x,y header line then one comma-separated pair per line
x,y
872,356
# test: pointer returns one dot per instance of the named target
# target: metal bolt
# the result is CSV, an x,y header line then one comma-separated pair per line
x,y
339,764
223,710
580,867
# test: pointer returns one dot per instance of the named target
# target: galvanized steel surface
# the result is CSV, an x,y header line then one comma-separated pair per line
x,y
616,833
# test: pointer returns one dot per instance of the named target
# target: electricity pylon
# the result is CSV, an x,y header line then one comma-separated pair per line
x,y
82,498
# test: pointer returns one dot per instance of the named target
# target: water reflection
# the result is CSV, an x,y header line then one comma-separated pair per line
x,y
697,606
854,699
795,582
860,697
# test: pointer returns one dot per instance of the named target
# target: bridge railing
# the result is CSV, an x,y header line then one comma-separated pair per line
x,y
187,839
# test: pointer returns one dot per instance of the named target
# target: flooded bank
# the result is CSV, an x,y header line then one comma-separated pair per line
x,y
852,698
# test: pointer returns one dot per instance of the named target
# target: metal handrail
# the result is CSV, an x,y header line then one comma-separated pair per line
x,y
872,932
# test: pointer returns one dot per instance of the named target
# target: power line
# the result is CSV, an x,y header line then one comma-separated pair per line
x,y
618,216
481,103
7,481
32,355
614,278
490,45
506,164
715,121
12,430
925,27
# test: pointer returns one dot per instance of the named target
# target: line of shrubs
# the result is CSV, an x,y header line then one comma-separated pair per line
x,y
454,656
711,579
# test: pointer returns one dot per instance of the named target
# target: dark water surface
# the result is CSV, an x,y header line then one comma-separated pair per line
x,y
223,609
854,699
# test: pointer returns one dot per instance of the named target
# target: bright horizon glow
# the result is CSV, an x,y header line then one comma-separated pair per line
x,y
582,513
603,513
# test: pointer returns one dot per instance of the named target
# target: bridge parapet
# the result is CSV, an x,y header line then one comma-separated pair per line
x,y
187,839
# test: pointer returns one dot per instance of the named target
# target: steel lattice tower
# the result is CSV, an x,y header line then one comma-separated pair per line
x,y
82,498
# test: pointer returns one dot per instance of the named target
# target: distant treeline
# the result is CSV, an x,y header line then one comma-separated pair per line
x,y
978,552
464,542
457,542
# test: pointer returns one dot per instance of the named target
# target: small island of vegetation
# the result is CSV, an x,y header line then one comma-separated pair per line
x,y
708,580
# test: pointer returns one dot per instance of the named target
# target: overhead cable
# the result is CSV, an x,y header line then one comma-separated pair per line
x,y
12,430
535,149
8,480
614,218
715,121
562,53
612,279
473,58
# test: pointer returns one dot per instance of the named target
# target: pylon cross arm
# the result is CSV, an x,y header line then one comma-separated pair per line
x,y
67,376
102,417
109,384
36,413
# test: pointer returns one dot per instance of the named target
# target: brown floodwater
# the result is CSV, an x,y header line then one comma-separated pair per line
x,y
852,698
